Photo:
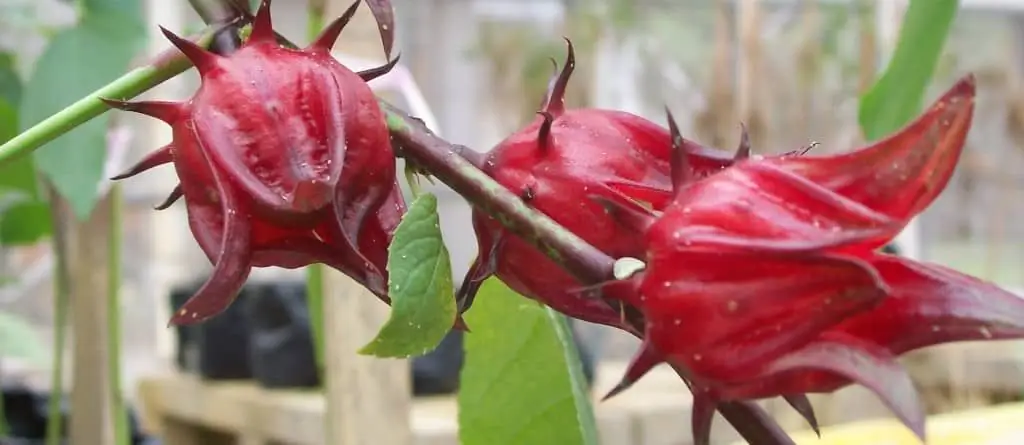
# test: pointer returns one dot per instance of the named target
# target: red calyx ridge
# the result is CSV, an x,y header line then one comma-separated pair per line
x,y
284,159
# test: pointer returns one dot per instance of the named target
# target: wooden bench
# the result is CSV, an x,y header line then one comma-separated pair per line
x,y
188,411
185,410
996,425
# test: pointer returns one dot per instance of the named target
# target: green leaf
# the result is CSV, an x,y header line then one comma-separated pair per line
x,y
420,286
522,382
28,221
897,97
10,83
9,199
76,62
128,8
19,339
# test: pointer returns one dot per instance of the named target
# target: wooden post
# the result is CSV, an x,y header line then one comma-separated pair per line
x,y
748,97
368,399
86,255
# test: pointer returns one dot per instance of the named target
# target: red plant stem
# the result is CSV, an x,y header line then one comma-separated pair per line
x,y
443,160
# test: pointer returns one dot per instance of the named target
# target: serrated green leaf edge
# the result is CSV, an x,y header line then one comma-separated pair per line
x,y
420,286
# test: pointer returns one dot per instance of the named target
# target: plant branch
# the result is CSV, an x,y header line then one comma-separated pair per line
x,y
135,82
441,159
591,266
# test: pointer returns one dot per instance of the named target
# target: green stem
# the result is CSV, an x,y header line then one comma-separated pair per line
x,y
115,238
315,20
54,421
315,272
315,301
132,84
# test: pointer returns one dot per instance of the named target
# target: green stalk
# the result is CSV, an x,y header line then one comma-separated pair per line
x,y
54,421
315,272
315,19
115,238
315,301
132,84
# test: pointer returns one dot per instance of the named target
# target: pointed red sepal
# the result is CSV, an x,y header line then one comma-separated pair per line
x,y
758,206
544,132
680,165
554,102
384,14
865,363
658,196
703,413
329,36
262,25
643,362
484,266
743,151
802,405
373,73
175,195
168,112
631,214
902,174
204,61
551,83
232,264
930,304
349,219
161,156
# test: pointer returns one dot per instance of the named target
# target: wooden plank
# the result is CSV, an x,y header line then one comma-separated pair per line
x,y
654,412
85,251
367,399
297,417
987,426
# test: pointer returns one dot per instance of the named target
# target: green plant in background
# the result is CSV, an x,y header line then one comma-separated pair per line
x,y
18,338
899,93
73,164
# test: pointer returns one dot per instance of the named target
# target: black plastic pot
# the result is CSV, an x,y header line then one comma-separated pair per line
x,y
266,336
281,343
26,413
217,349
437,372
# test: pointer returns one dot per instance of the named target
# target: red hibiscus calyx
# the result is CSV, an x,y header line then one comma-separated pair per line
x,y
764,279
553,164
283,158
